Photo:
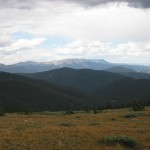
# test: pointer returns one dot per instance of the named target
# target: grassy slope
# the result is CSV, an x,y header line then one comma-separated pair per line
x,y
46,132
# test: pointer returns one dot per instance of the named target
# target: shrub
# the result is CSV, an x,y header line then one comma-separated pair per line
x,y
25,111
95,111
87,110
2,111
100,108
126,141
45,113
136,106
113,119
136,115
69,112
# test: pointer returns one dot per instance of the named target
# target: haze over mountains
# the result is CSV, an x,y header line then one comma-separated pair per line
x,y
96,64
129,72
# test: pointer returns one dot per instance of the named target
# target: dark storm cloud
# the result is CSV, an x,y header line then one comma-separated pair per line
x,y
29,4
131,3
139,3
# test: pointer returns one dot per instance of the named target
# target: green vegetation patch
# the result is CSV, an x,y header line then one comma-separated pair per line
x,y
130,116
134,115
125,141
49,113
94,123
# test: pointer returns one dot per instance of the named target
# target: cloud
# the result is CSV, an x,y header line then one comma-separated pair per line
x,y
54,18
126,28
21,4
131,3
131,51
21,50
21,44
29,4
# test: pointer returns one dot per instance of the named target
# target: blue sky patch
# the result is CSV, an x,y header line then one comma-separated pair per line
x,y
22,35
54,41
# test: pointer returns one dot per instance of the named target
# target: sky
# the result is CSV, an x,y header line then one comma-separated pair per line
x,y
45,30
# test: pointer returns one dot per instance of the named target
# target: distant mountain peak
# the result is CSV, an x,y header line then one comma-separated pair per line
x,y
76,61
99,61
26,63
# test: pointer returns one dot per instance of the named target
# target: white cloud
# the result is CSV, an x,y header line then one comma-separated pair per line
x,y
22,44
128,53
99,23
109,24
19,50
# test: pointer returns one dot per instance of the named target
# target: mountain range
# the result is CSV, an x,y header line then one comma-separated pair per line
x,y
95,64
28,86
106,86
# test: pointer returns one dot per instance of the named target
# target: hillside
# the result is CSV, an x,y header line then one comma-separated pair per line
x,y
107,87
136,75
125,90
76,89
85,79
18,93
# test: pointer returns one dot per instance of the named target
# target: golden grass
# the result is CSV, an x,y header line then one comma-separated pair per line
x,y
80,131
